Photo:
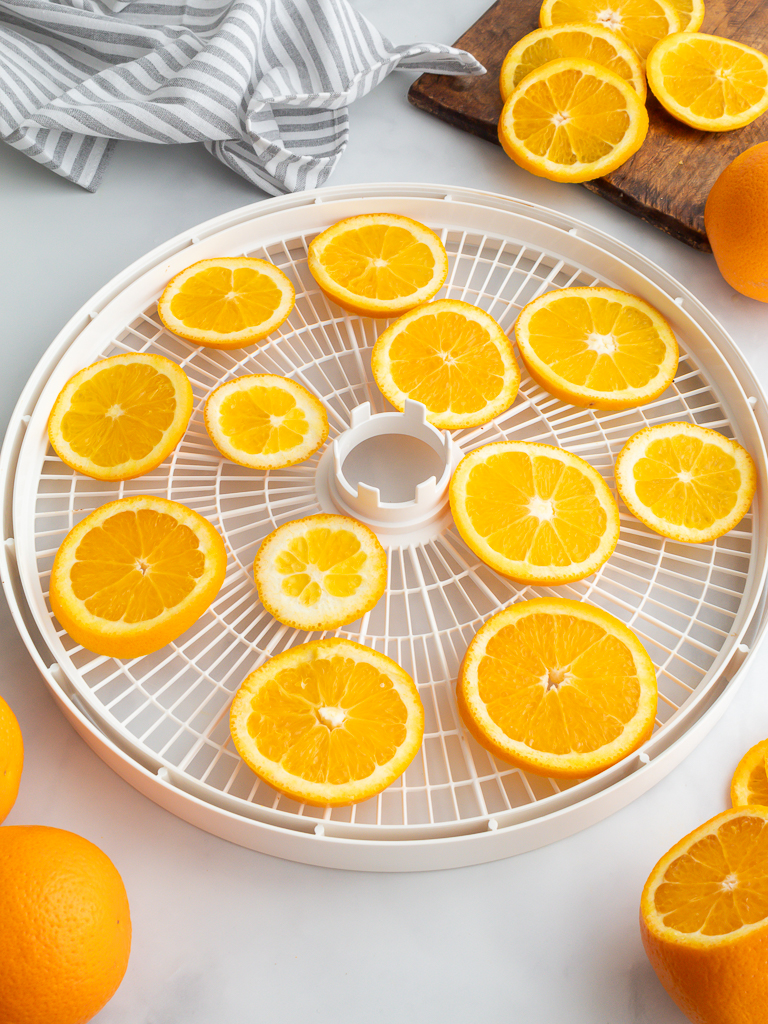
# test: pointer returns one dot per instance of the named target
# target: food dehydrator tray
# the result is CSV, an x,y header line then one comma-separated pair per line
x,y
162,721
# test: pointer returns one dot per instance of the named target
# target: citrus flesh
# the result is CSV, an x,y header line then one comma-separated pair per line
x,y
749,784
65,926
590,41
135,574
533,512
320,572
557,687
328,723
572,120
597,347
640,22
707,82
453,358
690,12
11,759
704,919
264,421
378,264
227,302
686,482
736,219
121,417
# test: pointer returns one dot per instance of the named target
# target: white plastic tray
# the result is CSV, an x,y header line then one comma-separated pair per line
x,y
161,721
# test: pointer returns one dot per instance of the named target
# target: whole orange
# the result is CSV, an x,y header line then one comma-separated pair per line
x,y
65,927
736,220
11,759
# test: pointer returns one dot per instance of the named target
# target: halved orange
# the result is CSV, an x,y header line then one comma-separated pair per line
x,y
597,347
533,512
265,421
686,482
640,22
591,41
557,687
704,919
572,120
135,574
328,723
227,302
378,264
320,572
708,82
122,416
749,784
451,356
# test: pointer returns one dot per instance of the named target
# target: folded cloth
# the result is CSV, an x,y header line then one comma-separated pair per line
x,y
264,84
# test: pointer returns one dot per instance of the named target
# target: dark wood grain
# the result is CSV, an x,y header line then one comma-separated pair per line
x,y
667,181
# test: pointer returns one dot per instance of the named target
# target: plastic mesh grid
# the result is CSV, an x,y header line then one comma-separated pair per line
x,y
681,600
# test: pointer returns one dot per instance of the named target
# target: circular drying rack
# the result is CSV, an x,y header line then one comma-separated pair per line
x,y
162,721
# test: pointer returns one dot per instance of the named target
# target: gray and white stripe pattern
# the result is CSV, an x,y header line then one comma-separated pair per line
x,y
264,84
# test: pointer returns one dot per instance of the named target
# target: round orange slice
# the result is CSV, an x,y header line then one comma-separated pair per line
x,y
708,82
226,302
451,356
690,12
533,512
597,347
328,723
122,416
640,22
686,482
320,572
588,41
557,687
749,784
378,264
704,919
264,421
135,574
572,120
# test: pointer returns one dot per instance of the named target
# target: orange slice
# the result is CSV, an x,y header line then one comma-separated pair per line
x,y
640,22
451,356
320,572
685,482
11,759
589,41
597,347
572,120
226,302
704,919
135,574
378,264
690,12
559,688
264,421
749,784
122,416
328,723
707,82
533,512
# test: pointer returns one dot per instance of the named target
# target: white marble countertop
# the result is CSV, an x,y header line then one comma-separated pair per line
x,y
223,933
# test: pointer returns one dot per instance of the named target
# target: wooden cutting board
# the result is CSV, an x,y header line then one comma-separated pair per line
x,y
667,181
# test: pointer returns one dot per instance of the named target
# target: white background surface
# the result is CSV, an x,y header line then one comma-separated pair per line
x,y
225,934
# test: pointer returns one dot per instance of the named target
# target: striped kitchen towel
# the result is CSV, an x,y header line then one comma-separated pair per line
x,y
264,84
